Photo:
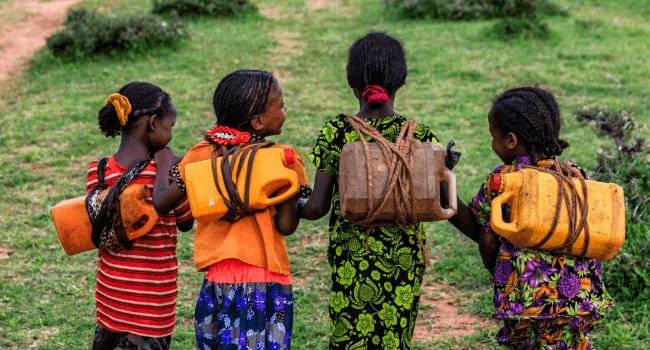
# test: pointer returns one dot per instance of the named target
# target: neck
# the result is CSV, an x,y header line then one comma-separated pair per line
x,y
365,112
132,148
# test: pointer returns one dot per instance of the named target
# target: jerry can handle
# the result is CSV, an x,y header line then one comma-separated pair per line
x,y
284,195
450,211
147,210
496,216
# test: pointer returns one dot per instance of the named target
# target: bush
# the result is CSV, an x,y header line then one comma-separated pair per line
x,y
627,163
88,33
460,10
212,8
517,16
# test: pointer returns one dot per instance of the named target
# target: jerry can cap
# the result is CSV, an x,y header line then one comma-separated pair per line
x,y
494,184
289,157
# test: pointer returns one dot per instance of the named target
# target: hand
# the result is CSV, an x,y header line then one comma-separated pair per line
x,y
451,157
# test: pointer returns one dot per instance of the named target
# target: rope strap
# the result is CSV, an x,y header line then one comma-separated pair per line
x,y
236,204
574,204
400,157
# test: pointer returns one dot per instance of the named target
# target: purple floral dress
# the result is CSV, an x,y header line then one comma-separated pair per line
x,y
546,300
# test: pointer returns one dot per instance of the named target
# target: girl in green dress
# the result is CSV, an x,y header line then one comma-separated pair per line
x,y
375,292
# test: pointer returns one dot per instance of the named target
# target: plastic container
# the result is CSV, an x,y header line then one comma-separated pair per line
x,y
269,174
532,197
429,172
73,223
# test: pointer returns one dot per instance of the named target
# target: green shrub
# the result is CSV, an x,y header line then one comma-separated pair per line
x,y
459,10
626,163
89,33
211,8
517,16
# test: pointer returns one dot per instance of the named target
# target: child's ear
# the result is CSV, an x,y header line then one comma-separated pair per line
x,y
153,122
257,123
511,140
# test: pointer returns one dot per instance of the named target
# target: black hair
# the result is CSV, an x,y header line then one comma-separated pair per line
x,y
533,115
145,99
240,96
377,59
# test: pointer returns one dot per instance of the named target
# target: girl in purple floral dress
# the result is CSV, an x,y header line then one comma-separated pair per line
x,y
546,300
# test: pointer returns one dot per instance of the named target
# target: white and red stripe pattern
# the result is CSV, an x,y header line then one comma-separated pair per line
x,y
136,288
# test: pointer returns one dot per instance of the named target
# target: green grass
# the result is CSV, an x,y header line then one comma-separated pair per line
x,y
49,134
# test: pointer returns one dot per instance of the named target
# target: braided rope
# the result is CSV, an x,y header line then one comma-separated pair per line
x,y
574,204
400,157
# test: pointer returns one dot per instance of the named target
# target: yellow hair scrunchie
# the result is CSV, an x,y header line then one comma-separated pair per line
x,y
122,107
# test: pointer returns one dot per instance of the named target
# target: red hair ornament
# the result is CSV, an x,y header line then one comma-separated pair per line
x,y
374,94
223,135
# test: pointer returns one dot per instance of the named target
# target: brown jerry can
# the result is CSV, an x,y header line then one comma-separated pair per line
x,y
270,173
429,171
73,223
532,197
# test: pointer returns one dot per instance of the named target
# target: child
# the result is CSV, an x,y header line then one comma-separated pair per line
x,y
136,287
546,300
375,292
246,300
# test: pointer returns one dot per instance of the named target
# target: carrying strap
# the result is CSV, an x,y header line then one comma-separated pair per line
x,y
236,204
108,231
575,205
400,157
101,185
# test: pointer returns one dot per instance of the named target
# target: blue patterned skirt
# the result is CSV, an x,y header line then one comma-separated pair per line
x,y
255,315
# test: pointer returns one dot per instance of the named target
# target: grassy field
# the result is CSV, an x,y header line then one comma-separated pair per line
x,y
49,134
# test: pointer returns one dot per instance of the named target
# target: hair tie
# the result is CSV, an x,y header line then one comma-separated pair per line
x,y
223,135
122,107
375,94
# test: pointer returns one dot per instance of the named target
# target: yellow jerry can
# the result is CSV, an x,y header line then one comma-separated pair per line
x,y
532,196
429,171
73,225
269,174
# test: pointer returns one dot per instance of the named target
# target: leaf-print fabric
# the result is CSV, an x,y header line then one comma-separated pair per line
x,y
375,293
537,288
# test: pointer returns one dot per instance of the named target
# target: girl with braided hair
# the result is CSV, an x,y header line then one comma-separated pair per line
x,y
375,291
136,284
246,301
545,300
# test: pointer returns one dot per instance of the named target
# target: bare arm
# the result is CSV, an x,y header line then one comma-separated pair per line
x,y
466,222
165,196
286,218
321,197
488,246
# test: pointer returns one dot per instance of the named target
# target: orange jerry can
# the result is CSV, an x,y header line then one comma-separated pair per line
x,y
428,171
73,223
269,174
532,197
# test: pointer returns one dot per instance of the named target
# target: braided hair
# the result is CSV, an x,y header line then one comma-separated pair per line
x,y
376,59
240,96
533,115
145,99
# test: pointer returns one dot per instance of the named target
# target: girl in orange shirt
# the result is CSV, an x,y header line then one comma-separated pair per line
x,y
246,300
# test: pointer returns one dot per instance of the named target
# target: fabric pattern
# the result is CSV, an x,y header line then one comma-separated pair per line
x,y
375,293
534,286
257,315
136,288
107,340
557,334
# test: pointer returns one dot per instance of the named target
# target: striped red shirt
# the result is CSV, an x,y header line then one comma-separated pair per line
x,y
136,288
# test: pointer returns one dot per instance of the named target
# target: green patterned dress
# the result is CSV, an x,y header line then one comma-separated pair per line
x,y
375,293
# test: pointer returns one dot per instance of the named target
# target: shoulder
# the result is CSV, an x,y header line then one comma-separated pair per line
x,y
425,134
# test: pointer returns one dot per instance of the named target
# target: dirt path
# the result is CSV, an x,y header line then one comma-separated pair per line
x,y
19,41
440,319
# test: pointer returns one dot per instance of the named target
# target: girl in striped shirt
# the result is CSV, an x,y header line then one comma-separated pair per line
x,y
136,287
